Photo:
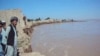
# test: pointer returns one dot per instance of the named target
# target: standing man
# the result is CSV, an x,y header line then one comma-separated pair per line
x,y
12,37
1,49
4,39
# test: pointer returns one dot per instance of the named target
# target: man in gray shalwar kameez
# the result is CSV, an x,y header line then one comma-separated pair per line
x,y
12,37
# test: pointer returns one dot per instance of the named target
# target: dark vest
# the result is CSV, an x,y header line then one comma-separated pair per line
x,y
11,36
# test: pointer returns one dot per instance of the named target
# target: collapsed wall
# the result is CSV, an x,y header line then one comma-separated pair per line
x,y
7,14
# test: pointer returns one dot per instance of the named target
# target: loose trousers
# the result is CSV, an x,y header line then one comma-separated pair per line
x,y
11,51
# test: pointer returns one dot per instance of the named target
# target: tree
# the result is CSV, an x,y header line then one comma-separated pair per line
x,y
47,18
38,19
30,20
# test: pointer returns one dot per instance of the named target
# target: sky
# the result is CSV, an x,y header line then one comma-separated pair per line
x,y
59,9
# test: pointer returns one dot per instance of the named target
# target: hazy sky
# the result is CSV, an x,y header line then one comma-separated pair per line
x,y
76,9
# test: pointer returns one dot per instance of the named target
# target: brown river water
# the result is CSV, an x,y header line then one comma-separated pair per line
x,y
67,39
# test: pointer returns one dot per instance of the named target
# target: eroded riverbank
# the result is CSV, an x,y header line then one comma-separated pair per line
x,y
24,41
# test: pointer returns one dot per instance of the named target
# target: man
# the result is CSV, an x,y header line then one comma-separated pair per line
x,y
1,49
12,37
4,39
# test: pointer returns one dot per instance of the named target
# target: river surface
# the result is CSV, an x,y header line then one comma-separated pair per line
x,y
67,39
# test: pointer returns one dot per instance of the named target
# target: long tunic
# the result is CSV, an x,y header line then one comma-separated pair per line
x,y
12,35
